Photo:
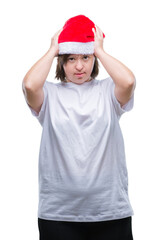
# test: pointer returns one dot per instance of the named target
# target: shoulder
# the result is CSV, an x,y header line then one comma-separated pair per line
x,y
107,83
50,85
107,80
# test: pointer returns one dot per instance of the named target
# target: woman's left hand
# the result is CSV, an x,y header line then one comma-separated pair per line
x,y
98,41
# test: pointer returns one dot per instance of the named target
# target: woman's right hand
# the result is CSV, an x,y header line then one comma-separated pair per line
x,y
54,42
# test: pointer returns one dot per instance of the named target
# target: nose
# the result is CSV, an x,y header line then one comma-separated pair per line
x,y
79,65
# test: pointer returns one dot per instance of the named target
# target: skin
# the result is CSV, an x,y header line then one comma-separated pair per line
x,y
35,78
122,76
78,68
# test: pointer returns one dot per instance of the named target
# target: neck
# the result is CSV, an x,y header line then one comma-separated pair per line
x,y
66,80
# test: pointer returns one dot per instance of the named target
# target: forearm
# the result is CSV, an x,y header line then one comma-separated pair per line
x,y
121,75
36,76
123,78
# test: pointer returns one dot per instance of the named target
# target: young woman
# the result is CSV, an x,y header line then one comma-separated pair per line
x,y
83,179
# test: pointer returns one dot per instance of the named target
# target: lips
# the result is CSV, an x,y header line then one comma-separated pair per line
x,y
79,74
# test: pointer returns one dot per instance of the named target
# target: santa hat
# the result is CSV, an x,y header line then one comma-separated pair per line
x,y
77,36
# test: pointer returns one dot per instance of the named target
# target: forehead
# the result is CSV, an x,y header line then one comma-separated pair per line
x,y
80,55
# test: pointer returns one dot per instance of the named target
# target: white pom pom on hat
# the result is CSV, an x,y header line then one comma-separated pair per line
x,y
77,36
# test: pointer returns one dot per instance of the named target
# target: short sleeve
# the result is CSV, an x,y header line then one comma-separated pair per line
x,y
125,108
41,115
109,90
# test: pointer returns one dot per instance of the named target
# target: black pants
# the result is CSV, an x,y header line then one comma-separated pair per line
x,y
106,230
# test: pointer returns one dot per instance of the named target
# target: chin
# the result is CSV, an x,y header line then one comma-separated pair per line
x,y
79,80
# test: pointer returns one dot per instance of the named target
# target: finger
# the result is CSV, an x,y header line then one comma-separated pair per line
x,y
99,31
94,31
58,32
61,30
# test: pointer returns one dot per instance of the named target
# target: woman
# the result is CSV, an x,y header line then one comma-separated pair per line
x,y
83,180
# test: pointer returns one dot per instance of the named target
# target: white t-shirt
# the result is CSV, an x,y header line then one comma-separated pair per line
x,y
82,166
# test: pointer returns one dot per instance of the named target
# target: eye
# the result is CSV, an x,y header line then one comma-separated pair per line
x,y
85,57
71,59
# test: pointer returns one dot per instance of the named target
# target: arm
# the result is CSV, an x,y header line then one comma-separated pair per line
x,y
123,78
35,78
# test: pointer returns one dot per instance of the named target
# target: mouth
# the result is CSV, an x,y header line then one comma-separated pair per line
x,y
79,74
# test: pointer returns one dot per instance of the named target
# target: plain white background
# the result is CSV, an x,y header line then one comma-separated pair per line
x,y
25,34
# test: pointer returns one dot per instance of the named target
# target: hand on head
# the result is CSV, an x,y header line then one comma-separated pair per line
x,y
54,42
79,35
98,40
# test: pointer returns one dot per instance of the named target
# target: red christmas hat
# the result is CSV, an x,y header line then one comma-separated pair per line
x,y
77,36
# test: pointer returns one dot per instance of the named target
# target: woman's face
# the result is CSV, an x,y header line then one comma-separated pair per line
x,y
78,68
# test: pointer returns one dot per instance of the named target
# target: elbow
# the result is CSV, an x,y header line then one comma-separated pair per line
x,y
26,83
131,82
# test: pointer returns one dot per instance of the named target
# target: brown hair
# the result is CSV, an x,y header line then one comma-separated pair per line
x,y
62,59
